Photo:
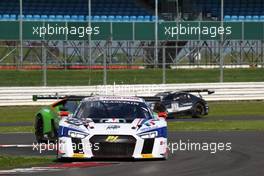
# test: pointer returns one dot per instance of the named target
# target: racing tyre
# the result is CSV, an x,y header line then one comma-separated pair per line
x,y
199,110
59,159
166,156
39,129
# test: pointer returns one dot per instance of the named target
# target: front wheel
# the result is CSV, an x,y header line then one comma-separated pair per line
x,y
39,128
199,110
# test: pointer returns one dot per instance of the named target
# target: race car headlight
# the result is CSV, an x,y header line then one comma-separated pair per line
x,y
148,135
75,134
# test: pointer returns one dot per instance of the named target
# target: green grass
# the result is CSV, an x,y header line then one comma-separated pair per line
x,y
147,76
17,129
9,162
18,113
240,108
239,125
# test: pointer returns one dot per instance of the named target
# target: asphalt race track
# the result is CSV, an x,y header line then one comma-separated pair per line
x,y
244,159
206,118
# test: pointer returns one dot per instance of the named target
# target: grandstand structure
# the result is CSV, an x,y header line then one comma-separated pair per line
x,y
17,49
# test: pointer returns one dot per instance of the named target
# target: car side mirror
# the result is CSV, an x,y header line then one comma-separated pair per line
x,y
163,115
63,109
64,113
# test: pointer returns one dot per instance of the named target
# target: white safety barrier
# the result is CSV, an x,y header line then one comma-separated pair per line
x,y
14,96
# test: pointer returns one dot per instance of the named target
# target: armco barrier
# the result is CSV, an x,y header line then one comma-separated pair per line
x,y
70,67
12,96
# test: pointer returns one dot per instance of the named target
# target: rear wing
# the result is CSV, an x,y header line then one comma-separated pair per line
x,y
57,97
198,91
151,99
79,98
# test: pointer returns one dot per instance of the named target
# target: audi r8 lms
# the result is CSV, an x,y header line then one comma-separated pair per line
x,y
48,117
112,127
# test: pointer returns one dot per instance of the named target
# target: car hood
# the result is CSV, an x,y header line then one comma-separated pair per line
x,y
112,126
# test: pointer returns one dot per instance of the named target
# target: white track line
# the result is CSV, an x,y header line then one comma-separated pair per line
x,y
16,146
16,133
29,170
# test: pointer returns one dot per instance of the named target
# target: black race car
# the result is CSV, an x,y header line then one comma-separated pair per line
x,y
184,103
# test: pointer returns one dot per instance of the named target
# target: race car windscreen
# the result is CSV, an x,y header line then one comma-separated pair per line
x,y
113,109
71,106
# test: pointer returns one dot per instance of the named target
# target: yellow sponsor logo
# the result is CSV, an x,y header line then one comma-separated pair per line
x,y
78,155
147,156
111,139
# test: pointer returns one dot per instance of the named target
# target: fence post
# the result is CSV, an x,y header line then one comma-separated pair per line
x,y
163,65
105,69
44,60
222,45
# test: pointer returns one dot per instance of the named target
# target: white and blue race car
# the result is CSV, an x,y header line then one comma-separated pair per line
x,y
113,127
